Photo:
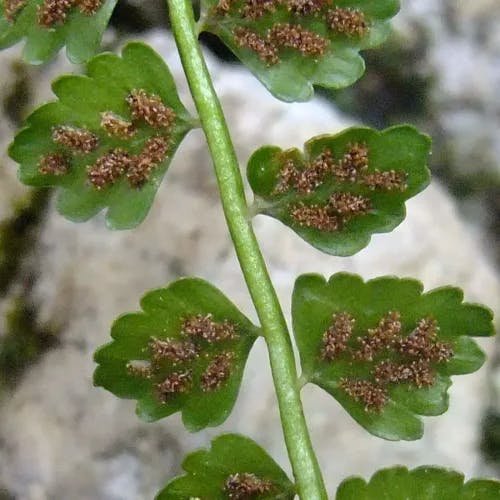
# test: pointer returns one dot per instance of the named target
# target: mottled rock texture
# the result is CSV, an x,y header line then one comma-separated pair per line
x,y
463,58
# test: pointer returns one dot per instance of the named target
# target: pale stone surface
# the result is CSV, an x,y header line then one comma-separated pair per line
x,y
463,60
62,438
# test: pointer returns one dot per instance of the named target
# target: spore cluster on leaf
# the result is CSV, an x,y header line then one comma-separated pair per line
x,y
342,188
350,172
112,164
52,12
270,43
391,355
342,206
171,360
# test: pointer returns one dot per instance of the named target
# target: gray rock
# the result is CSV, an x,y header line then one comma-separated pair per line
x,y
62,438
463,61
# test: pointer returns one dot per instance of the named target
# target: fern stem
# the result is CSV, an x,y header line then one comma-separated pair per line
x,y
305,466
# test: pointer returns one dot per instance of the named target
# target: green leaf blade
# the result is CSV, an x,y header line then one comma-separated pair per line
x,y
384,349
100,104
344,187
186,351
81,33
234,464
422,483
291,70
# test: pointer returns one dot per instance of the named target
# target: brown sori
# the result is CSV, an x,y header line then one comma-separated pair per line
x,y
89,7
422,343
315,173
243,486
337,335
217,372
440,352
427,328
52,12
388,328
175,383
349,205
350,22
141,166
265,50
422,374
150,108
175,351
419,342
306,7
305,180
352,163
387,180
223,7
253,9
108,168
116,126
387,372
140,369
384,336
155,149
204,327
373,396
54,164
417,372
12,8
315,216
287,177
78,140
296,37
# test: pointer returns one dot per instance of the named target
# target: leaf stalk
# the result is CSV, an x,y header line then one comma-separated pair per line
x,y
310,485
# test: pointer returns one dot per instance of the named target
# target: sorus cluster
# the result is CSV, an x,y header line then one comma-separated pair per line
x,y
243,486
51,13
115,126
118,162
175,365
393,356
339,21
54,164
341,206
12,8
76,139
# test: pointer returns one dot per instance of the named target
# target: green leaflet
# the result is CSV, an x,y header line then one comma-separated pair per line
x,y
185,351
234,467
291,45
422,483
108,139
345,187
384,349
81,32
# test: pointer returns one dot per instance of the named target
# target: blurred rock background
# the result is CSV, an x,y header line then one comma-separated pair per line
x,y
62,284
